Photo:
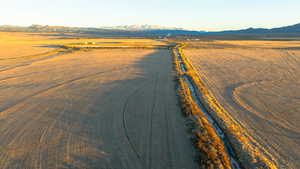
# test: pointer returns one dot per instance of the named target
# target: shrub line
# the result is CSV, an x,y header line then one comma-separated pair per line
x,y
213,151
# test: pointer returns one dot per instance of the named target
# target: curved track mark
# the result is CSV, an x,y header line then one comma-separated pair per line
x,y
29,62
166,116
237,100
151,121
138,155
59,85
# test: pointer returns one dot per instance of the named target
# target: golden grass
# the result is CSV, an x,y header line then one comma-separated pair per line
x,y
263,44
52,52
212,149
16,44
12,46
244,145
223,44
118,45
59,113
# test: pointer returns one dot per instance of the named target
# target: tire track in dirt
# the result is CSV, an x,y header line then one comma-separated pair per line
x,y
20,134
238,100
167,123
13,77
94,134
138,155
151,121
247,108
292,64
59,85
51,126
50,129
34,60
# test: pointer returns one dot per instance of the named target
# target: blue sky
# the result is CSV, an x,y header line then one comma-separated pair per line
x,y
191,14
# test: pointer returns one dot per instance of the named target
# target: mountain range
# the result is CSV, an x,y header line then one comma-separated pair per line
x,y
141,27
280,30
148,30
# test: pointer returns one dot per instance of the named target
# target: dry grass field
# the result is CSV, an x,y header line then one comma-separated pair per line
x,y
258,83
104,108
16,44
19,45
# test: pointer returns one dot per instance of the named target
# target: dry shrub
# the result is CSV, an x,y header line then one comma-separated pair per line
x,y
208,141
212,149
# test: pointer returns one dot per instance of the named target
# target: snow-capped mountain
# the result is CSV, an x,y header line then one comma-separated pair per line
x,y
140,27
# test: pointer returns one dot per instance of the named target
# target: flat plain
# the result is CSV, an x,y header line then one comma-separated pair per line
x,y
104,108
258,83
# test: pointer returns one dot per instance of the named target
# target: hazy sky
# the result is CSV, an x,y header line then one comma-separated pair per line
x,y
190,14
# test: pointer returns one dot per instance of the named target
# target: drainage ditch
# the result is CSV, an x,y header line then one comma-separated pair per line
x,y
197,99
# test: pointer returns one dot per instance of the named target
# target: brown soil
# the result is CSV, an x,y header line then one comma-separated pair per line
x,y
258,84
110,108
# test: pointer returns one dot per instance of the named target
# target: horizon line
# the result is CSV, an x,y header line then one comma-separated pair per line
x,y
182,28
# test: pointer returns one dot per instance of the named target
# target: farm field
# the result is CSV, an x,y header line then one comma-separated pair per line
x,y
18,45
258,83
104,108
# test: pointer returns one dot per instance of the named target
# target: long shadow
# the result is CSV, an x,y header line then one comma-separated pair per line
x,y
142,81
97,121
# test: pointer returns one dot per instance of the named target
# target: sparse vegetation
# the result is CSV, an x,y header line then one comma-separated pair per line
x,y
25,45
244,144
16,65
212,150
122,45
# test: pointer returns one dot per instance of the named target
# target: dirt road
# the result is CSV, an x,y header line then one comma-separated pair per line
x,y
104,109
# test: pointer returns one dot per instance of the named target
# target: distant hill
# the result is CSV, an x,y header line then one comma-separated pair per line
x,y
293,29
46,28
141,27
150,30
133,30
